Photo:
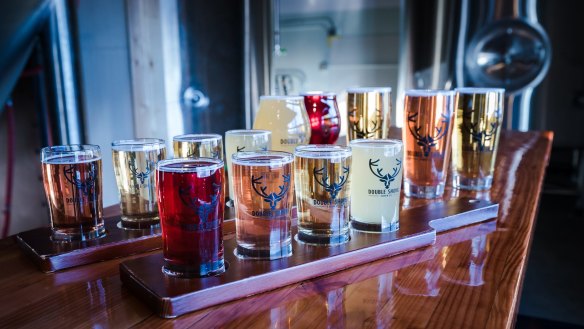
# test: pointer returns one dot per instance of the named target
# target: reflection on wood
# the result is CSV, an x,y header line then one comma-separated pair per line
x,y
171,297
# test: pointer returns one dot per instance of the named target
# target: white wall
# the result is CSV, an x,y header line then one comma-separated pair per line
x,y
105,80
365,52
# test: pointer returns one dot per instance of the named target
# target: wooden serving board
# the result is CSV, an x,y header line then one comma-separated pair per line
x,y
54,256
171,297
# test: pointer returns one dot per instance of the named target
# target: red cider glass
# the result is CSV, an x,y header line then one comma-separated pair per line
x,y
191,204
324,116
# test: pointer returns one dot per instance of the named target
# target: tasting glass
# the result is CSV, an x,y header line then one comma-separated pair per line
x,y
72,181
427,132
135,166
368,112
376,184
477,126
263,185
286,118
324,116
322,179
191,205
198,146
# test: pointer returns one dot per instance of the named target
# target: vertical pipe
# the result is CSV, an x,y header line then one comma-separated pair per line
x,y
404,71
247,62
461,42
438,41
65,75
9,167
524,109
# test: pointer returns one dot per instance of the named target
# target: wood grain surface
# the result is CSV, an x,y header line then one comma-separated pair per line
x,y
471,277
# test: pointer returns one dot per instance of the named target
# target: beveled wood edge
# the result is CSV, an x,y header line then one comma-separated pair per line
x,y
76,257
467,218
33,256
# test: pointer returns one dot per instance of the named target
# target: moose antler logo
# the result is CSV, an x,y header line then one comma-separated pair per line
x,y
142,175
387,178
73,176
272,198
332,188
430,139
192,152
367,133
480,136
203,208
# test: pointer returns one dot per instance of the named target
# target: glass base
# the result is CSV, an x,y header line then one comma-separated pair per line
x,y
474,184
373,228
423,192
75,234
201,271
246,253
139,224
322,240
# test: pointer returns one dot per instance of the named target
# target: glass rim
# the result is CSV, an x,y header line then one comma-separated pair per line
x,y
281,97
322,151
328,94
479,90
362,90
138,143
197,138
429,92
49,153
377,143
248,132
215,164
260,158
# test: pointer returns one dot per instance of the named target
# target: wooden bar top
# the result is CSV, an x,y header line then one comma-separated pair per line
x,y
471,277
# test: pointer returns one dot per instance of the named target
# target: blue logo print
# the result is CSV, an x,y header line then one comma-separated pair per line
x,y
142,175
203,208
429,140
272,198
332,188
367,133
387,178
480,136
74,177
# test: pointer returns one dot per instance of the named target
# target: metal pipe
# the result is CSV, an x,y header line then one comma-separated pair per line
x,y
64,74
246,62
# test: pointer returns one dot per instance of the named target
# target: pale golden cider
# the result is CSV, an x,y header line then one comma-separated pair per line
x,y
368,113
322,174
478,119
198,146
135,170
